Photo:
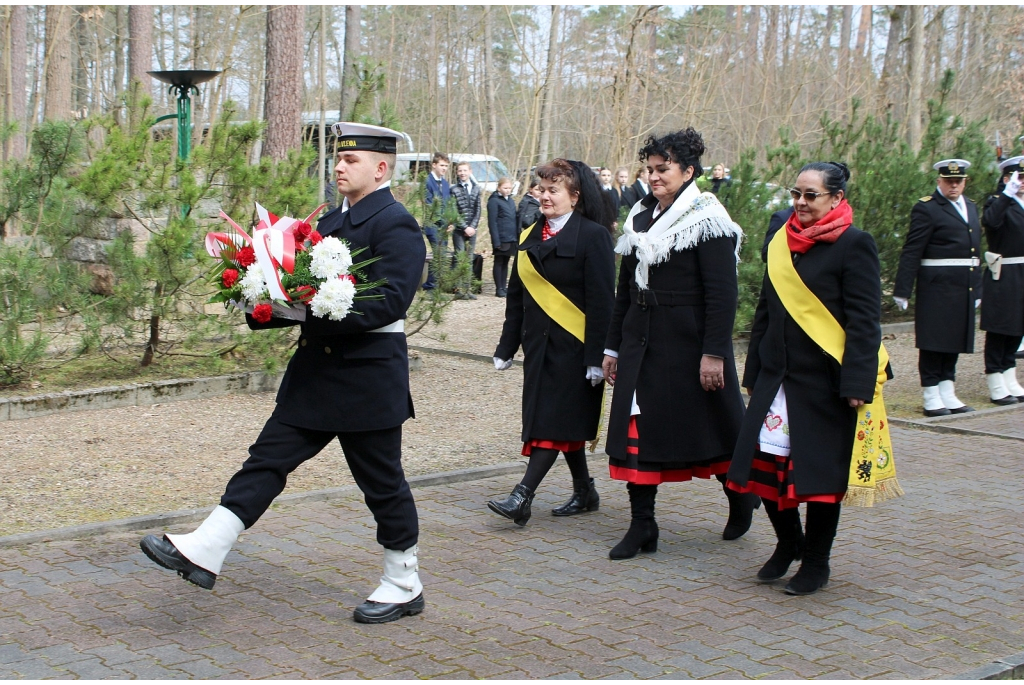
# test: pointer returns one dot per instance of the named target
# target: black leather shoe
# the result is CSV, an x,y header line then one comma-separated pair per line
x,y
584,498
937,412
162,551
383,612
516,506
1004,401
961,410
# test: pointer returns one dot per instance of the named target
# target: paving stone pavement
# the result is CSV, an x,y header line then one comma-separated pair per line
x,y
927,586
1004,422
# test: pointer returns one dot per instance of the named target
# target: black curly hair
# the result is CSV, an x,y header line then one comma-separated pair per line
x,y
834,175
684,147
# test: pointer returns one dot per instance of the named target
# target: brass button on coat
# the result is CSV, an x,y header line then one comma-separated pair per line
x,y
327,350
303,342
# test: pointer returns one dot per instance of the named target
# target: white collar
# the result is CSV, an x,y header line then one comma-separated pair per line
x,y
345,206
558,223
436,177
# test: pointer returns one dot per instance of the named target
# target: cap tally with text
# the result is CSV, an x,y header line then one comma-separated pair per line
x,y
353,136
952,168
1012,164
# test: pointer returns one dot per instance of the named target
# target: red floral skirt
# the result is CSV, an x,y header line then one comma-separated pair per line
x,y
651,473
771,477
559,445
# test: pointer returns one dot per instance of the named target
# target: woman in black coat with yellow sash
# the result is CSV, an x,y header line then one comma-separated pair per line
x,y
676,408
801,424
559,304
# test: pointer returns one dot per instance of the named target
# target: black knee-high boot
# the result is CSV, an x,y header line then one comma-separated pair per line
x,y
642,535
822,521
584,494
517,505
741,511
789,547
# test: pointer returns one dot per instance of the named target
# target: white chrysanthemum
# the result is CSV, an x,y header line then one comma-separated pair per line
x,y
334,299
330,258
253,284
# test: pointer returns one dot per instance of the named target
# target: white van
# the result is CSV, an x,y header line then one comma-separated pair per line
x,y
484,169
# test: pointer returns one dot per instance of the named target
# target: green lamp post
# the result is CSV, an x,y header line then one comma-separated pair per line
x,y
184,83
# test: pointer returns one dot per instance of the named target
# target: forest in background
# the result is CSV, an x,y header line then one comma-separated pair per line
x,y
527,83
101,223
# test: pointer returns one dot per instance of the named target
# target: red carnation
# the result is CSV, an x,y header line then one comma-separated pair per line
x,y
348,277
305,293
262,312
302,231
229,278
246,256
315,237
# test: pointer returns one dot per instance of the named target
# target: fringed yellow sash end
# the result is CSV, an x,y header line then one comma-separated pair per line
x,y
867,496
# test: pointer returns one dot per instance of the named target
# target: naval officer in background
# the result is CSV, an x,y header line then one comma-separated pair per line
x,y
942,255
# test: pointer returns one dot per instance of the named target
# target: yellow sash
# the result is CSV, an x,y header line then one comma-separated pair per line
x,y
556,305
872,468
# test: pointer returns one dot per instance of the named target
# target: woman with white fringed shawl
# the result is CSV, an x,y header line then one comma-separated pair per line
x,y
676,407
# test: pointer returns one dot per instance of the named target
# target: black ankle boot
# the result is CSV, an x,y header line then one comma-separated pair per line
x,y
584,498
741,512
516,506
790,545
642,535
822,522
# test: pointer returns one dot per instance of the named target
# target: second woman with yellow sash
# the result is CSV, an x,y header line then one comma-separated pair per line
x,y
559,304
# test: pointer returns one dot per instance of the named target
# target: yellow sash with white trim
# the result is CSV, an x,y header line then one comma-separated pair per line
x,y
872,467
556,305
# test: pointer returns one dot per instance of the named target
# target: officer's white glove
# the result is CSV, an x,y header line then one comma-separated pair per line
x,y
595,375
901,302
977,303
1013,185
502,365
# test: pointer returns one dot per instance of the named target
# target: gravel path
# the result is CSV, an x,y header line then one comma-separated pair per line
x,y
100,465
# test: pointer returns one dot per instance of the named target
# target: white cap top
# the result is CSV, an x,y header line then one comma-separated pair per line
x,y
1015,162
350,128
955,168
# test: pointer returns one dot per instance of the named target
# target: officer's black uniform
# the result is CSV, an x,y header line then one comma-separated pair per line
x,y
945,311
347,382
1002,312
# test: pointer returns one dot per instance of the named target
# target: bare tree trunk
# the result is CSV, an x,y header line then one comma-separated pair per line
x,y
916,76
892,48
321,77
843,68
285,25
80,57
16,61
546,87
350,75
492,111
120,19
140,46
58,104
864,32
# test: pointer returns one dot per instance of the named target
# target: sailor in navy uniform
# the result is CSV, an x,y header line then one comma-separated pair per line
x,y
1002,315
943,255
348,380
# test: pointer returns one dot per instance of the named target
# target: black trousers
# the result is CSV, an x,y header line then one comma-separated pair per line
x,y
500,272
1000,351
374,457
936,366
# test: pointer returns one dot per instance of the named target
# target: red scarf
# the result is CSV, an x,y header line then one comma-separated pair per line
x,y
826,230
